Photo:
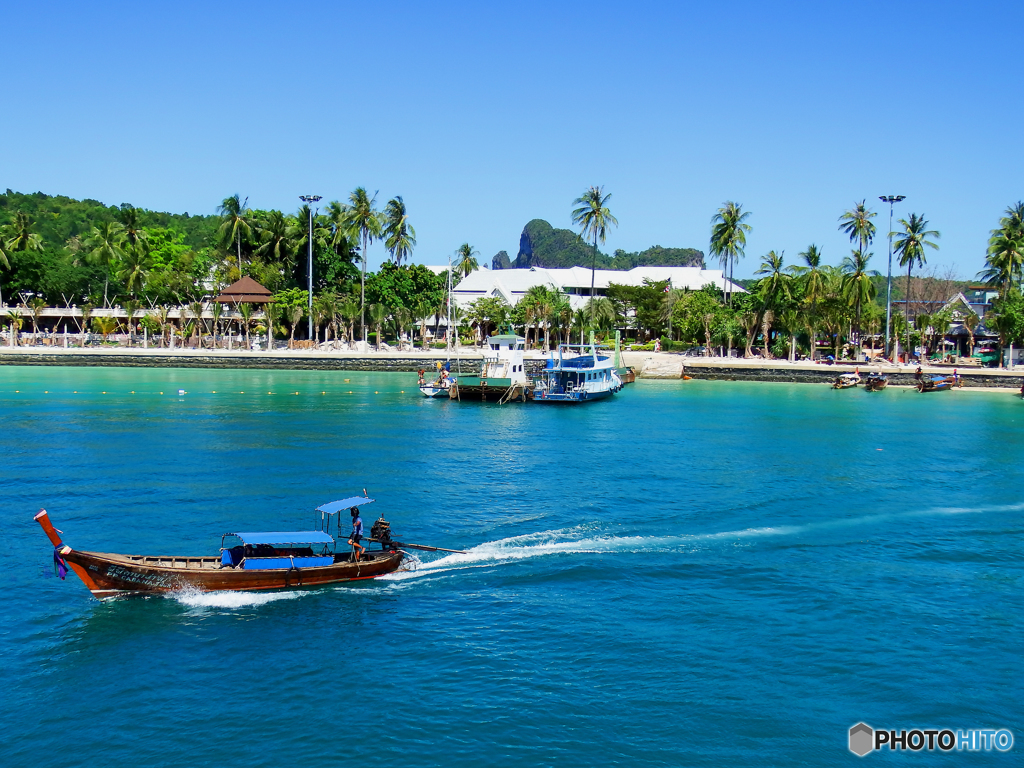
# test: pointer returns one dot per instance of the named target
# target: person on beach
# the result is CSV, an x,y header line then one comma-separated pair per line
x,y
357,534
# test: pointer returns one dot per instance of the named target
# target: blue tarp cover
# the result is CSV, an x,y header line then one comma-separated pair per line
x,y
273,563
286,537
334,506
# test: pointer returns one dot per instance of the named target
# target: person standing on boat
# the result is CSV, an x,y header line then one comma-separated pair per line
x,y
357,534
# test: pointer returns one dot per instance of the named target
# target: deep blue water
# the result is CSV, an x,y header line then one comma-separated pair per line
x,y
692,573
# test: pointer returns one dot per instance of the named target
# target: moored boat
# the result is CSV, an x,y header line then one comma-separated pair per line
x,y
935,383
846,380
250,561
441,386
578,375
502,374
875,382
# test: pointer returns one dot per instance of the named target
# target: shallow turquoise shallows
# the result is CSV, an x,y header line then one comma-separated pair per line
x,y
689,573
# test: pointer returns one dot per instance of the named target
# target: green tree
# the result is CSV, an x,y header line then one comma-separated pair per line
x,y
466,259
812,281
134,267
909,246
105,248
235,222
18,236
364,220
858,285
379,314
729,230
1004,262
776,288
399,236
593,217
857,223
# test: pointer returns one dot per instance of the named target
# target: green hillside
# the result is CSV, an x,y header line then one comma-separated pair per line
x,y
542,245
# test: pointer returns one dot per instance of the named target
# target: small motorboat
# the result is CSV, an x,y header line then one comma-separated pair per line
x,y
440,387
247,560
875,382
846,380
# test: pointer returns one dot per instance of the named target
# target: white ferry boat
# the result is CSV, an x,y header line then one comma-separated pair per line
x,y
577,375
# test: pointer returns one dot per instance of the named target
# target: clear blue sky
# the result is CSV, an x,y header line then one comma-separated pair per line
x,y
484,117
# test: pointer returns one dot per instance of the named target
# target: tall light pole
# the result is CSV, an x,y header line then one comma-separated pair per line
x,y
891,200
308,200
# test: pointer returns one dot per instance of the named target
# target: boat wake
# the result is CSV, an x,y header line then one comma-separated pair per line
x,y
575,541
194,598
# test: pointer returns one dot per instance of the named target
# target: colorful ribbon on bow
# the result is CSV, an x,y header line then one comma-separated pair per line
x,y
60,565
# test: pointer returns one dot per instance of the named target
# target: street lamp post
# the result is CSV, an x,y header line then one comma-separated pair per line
x,y
308,199
891,200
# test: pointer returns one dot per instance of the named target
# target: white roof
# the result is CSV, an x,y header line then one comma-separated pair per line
x,y
512,284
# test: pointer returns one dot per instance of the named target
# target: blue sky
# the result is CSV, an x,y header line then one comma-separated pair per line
x,y
484,117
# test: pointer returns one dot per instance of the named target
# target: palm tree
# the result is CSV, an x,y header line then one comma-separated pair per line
x,y
105,248
792,322
775,289
235,220
858,287
399,236
379,314
18,236
4,262
602,313
813,278
466,259
245,312
349,311
135,265
131,308
910,247
196,308
729,238
216,309
971,324
669,299
104,325
856,223
275,239
593,218
421,311
1005,261
363,220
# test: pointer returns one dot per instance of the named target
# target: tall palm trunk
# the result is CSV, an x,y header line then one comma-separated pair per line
x,y
238,242
593,271
906,309
362,295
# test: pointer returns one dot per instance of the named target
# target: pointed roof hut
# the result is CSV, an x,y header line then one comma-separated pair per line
x,y
245,291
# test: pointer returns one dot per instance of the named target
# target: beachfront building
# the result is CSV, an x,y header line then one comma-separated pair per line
x,y
512,284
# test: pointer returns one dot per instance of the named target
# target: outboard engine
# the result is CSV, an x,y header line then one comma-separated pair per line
x,y
381,531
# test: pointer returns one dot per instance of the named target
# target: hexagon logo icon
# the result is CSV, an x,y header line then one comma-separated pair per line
x,y
861,739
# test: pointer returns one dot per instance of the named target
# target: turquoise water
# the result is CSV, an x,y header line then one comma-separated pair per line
x,y
692,573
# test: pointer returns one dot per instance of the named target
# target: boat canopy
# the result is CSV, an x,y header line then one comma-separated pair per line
x,y
336,506
285,537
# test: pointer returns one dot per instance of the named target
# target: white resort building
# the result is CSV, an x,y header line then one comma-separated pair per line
x,y
512,284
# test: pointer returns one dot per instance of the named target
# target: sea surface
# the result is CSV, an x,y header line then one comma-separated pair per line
x,y
691,573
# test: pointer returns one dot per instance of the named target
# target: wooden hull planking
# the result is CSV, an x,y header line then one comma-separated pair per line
x,y
110,575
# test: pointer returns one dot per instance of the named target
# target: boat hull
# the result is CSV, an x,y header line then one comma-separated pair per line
x,y
429,391
111,575
576,396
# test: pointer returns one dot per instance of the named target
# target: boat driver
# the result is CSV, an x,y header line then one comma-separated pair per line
x,y
357,534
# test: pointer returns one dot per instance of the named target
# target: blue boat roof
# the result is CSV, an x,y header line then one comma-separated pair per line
x,y
285,537
335,506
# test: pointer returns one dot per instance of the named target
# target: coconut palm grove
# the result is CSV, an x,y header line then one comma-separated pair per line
x,y
59,252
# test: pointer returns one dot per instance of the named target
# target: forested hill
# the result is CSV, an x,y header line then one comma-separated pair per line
x,y
59,219
542,245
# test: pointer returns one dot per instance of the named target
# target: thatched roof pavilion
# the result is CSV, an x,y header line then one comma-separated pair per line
x,y
245,291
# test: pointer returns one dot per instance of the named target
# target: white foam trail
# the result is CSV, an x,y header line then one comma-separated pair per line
x,y
194,598
560,542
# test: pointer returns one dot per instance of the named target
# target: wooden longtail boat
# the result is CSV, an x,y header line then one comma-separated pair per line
x,y
846,380
875,382
273,560
937,383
